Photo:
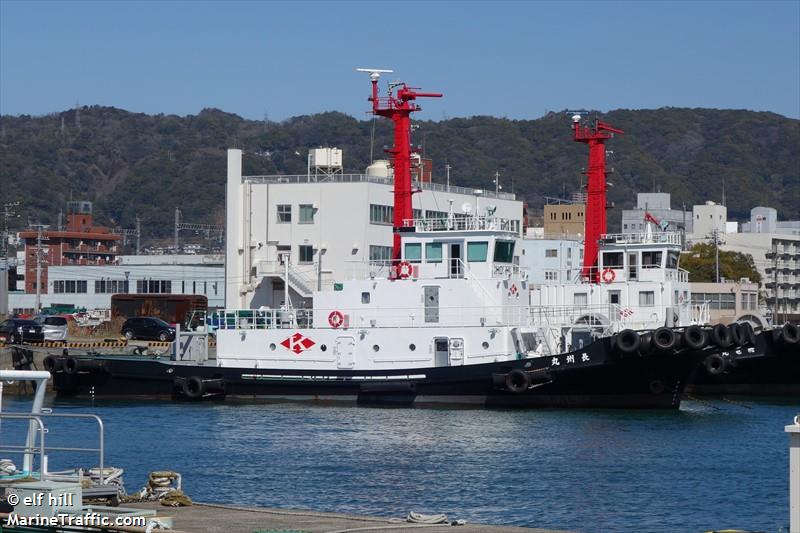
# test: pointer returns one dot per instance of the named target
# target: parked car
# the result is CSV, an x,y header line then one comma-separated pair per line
x,y
147,328
20,330
54,328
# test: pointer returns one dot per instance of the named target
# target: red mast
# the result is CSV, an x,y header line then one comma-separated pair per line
x,y
398,107
595,216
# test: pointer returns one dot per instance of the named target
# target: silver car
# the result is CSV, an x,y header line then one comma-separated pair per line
x,y
53,327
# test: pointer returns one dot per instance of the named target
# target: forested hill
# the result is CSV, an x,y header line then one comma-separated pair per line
x,y
133,163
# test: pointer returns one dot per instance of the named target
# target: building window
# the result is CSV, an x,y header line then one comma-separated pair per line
x,y
581,298
647,298
381,214
413,252
551,252
550,275
433,252
380,254
110,286
153,286
477,251
305,253
306,214
284,214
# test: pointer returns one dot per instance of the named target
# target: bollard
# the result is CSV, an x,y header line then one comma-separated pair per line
x,y
794,475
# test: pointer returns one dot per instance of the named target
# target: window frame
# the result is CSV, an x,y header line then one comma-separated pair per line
x,y
280,211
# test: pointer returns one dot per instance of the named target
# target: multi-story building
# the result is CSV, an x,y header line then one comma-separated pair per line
x,y
765,220
327,227
658,205
709,218
729,301
92,286
81,243
564,219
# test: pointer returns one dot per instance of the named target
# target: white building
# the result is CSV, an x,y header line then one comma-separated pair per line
x,y
707,218
327,225
551,260
92,286
658,205
765,220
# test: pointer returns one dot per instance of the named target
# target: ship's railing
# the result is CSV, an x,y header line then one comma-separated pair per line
x,y
366,178
462,223
452,268
660,237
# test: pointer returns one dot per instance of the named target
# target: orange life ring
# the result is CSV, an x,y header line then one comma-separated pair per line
x,y
336,319
609,275
404,269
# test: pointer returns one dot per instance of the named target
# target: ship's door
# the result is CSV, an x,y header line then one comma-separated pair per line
x,y
456,265
441,352
633,267
431,295
456,355
345,352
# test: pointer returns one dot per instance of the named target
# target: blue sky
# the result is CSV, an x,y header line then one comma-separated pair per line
x,y
513,59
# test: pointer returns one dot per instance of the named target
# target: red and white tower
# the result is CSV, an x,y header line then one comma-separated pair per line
x,y
398,107
595,217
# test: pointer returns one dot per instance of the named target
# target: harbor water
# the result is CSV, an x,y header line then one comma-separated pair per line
x,y
714,464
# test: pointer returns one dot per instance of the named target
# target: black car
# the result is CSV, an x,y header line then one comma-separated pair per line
x,y
19,330
147,328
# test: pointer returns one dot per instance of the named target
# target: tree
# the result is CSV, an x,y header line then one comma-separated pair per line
x,y
701,264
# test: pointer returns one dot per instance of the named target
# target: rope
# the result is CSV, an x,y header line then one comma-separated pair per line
x,y
163,486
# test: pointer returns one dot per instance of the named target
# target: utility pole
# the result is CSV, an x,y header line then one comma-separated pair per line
x,y
447,173
497,186
177,225
716,251
138,233
39,257
8,213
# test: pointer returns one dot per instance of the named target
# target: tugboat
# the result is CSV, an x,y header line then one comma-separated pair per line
x,y
448,320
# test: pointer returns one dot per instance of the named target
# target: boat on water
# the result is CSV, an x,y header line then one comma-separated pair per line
x,y
449,319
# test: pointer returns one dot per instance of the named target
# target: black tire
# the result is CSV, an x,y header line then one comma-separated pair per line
x,y
695,338
721,336
518,381
736,334
747,333
71,365
657,386
128,334
665,339
627,341
646,343
193,388
163,336
715,364
138,350
790,334
51,364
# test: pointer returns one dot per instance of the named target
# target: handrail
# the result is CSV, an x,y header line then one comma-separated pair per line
x,y
26,449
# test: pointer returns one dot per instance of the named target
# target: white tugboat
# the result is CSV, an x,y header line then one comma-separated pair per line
x,y
448,320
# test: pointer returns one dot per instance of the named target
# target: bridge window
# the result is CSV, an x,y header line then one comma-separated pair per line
x,y
503,251
413,252
672,259
306,214
551,252
651,259
381,214
284,213
477,251
380,254
612,259
433,252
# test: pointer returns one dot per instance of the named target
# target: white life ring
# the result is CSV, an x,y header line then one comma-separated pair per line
x,y
609,275
404,269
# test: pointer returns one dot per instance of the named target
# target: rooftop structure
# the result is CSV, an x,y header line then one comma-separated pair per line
x,y
657,204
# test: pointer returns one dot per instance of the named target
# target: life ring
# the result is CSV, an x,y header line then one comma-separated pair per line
x,y
608,275
336,319
404,269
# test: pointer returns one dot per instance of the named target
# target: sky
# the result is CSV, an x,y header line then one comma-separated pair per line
x,y
507,59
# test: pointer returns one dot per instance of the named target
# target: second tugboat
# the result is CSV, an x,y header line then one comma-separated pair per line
x,y
448,320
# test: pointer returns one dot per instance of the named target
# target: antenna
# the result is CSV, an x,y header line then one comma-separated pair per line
x,y
375,73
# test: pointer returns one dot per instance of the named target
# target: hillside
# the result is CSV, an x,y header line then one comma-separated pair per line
x,y
132,163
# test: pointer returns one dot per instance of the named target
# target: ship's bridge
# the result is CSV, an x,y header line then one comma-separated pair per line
x,y
648,256
457,246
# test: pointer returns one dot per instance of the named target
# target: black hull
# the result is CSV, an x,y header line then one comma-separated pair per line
x,y
773,369
593,377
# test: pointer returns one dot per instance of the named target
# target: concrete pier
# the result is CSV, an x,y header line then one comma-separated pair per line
x,y
213,518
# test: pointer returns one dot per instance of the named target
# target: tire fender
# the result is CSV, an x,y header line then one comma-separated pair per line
x,y
518,381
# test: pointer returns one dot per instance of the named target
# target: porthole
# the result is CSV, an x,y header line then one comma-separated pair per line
x,y
272,346
412,347
323,347
485,345
376,348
